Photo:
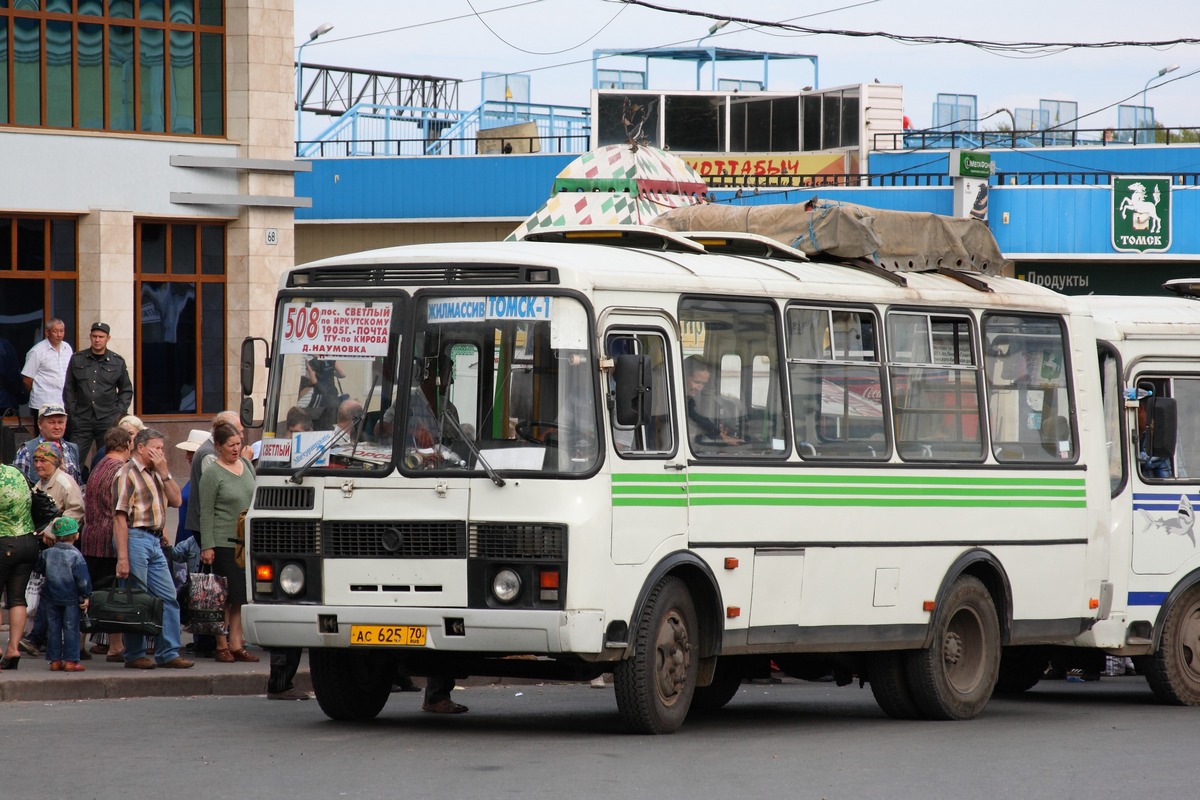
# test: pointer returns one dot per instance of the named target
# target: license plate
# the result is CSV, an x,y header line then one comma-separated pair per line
x,y
388,635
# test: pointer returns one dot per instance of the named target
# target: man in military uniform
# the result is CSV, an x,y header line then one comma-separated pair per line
x,y
97,391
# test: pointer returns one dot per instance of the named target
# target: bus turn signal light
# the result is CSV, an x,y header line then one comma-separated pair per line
x,y
731,563
548,579
1094,603
733,612
928,605
264,572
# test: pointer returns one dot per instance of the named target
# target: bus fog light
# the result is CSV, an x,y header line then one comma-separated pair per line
x,y
506,586
291,579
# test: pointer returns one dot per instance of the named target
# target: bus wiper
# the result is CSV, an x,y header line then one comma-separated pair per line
x,y
491,473
339,435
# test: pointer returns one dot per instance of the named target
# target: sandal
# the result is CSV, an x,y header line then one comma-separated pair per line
x,y
242,654
224,656
116,658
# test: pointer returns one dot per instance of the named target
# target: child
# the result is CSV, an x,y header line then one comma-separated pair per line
x,y
65,593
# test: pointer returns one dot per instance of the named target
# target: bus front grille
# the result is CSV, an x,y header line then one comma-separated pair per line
x,y
285,537
393,539
284,498
511,541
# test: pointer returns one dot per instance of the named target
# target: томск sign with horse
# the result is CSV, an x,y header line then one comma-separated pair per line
x,y
1141,214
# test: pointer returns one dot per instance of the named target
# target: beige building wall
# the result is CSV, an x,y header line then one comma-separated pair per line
x,y
321,240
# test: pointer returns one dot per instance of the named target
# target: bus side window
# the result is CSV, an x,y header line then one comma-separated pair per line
x,y
657,436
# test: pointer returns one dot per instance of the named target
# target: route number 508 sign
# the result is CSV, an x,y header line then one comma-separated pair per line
x,y
336,330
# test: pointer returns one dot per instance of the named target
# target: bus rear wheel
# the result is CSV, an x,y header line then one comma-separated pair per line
x,y
654,687
954,677
351,686
1173,672
888,676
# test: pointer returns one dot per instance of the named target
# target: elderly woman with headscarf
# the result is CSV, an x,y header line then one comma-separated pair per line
x,y
57,483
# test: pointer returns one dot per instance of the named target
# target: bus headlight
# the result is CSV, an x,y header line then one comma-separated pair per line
x,y
506,586
291,579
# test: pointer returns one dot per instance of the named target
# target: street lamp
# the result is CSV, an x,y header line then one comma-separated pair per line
x,y
1161,72
321,30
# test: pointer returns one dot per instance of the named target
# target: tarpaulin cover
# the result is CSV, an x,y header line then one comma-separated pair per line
x,y
902,241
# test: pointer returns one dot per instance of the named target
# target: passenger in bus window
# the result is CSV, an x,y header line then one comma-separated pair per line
x,y
1150,466
696,374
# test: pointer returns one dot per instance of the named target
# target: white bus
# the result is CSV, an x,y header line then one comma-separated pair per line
x,y
680,458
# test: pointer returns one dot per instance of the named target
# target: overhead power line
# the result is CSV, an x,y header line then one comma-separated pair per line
x,y
1031,49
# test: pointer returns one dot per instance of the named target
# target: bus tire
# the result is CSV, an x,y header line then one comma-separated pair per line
x,y
654,686
351,686
1021,668
1173,671
954,677
724,687
888,675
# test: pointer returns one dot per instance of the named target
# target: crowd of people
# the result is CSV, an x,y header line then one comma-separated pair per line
x,y
114,511
108,476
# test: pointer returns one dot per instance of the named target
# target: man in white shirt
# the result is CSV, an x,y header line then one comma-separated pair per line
x,y
45,369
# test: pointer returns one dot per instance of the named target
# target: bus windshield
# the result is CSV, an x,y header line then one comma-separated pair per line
x,y
501,383
333,376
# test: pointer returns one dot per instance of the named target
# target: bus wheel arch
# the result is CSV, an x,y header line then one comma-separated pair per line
x,y
987,569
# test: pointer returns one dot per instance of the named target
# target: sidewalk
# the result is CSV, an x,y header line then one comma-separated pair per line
x,y
33,680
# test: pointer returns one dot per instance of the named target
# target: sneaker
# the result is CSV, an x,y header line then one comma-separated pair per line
x,y
446,706
27,647
289,694
115,658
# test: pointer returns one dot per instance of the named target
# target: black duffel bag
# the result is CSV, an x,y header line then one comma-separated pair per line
x,y
121,609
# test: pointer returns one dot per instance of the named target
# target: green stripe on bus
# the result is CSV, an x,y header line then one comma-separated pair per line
x,y
663,490
953,491
901,480
889,502
678,502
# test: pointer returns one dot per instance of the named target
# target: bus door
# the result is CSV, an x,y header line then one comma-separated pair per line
x,y
1165,467
649,481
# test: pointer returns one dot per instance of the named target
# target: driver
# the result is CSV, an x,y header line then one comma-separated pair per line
x,y
432,418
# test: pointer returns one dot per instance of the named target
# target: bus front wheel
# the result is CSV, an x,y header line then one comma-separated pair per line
x,y
654,687
954,677
1174,670
351,686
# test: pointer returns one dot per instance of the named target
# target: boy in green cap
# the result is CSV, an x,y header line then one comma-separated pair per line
x,y
65,593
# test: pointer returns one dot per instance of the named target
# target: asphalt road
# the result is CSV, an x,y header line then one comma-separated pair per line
x,y
790,740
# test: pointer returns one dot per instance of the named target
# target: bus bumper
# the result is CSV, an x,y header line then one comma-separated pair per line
x,y
500,631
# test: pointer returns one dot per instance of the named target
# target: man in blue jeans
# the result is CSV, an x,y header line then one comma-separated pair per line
x,y
143,489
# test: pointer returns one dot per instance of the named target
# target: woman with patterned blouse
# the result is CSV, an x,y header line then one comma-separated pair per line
x,y
19,550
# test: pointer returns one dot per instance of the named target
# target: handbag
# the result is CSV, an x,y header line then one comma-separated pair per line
x,y
207,593
33,593
123,609
42,508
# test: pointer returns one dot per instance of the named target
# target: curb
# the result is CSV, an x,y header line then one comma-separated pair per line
x,y
150,683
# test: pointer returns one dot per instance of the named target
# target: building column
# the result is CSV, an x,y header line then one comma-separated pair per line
x,y
106,281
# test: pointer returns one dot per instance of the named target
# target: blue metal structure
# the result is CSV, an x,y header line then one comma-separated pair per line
x,y
699,56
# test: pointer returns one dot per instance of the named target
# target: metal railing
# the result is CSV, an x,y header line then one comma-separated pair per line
x,y
573,143
923,179
1090,137
372,129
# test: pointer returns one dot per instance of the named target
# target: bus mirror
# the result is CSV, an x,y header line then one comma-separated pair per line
x,y
248,362
246,412
1161,416
632,389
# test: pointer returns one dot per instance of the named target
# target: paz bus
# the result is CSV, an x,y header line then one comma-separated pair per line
x,y
680,458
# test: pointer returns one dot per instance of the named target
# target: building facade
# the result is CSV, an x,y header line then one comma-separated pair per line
x,y
149,184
